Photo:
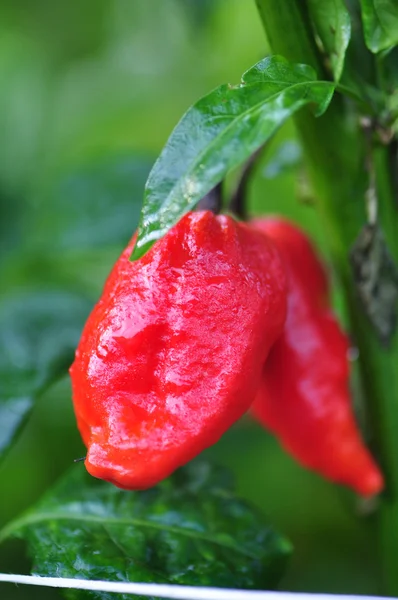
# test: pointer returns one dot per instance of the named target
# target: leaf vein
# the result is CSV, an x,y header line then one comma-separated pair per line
x,y
18,524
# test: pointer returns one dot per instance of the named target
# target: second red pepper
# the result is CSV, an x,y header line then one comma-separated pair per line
x,y
304,397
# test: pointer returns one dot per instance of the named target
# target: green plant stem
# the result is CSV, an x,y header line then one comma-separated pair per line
x,y
334,146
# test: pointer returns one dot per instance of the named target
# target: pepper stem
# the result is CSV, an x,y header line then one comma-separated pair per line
x,y
213,200
238,203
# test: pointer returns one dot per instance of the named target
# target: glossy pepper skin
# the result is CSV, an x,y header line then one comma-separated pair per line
x,y
172,354
304,396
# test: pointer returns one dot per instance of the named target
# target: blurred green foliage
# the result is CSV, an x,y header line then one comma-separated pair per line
x,y
90,91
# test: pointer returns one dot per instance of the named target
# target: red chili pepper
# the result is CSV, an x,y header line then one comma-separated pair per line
x,y
304,397
172,354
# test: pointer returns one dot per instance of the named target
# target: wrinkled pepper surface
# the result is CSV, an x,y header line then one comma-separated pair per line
x,y
172,354
304,397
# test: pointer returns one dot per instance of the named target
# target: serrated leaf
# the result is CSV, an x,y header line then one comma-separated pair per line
x,y
380,23
219,133
332,23
38,335
190,529
95,205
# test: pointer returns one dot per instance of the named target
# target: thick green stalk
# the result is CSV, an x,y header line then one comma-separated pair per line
x,y
334,146
332,143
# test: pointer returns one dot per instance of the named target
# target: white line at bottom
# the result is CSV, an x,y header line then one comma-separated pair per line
x,y
173,592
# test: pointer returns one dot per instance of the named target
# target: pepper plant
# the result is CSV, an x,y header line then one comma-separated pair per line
x,y
332,69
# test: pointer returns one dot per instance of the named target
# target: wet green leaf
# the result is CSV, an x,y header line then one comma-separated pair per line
x,y
39,332
332,23
220,132
380,23
190,529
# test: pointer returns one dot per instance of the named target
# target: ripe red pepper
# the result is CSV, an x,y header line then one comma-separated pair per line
x,y
172,354
304,397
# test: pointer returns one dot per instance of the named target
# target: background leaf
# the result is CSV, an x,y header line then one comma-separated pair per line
x,y
76,226
39,332
380,23
332,23
218,133
287,157
190,529
95,205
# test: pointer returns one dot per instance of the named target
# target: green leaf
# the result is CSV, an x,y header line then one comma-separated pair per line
x,y
39,332
380,23
190,530
332,23
94,206
220,132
